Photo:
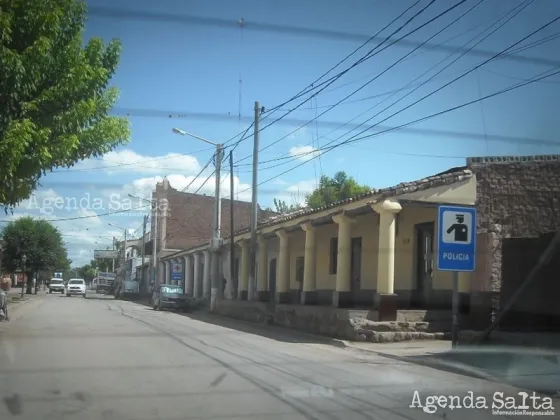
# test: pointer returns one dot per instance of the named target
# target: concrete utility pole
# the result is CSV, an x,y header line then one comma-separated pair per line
x,y
123,271
215,243
155,243
142,278
113,267
254,208
231,228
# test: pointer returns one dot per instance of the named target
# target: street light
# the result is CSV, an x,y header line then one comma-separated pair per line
x,y
155,236
123,270
23,261
215,242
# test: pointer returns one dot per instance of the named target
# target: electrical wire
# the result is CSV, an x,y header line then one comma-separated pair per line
x,y
136,14
378,75
136,163
371,53
200,173
67,219
355,140
515,13
312,84
205,181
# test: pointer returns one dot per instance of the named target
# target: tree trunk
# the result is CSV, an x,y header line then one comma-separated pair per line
x,y
36,282
29,284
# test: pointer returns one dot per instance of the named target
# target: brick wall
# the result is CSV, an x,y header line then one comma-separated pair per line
x,y
189,217
516,197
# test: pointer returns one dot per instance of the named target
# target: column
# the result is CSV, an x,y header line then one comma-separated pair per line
x,y
189,278
197,275
206,275
229,292
308,295
262,276
171,280
342,296
283,268
166,269
243,291
385,298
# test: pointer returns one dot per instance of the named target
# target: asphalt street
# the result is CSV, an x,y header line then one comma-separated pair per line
x,y
97,358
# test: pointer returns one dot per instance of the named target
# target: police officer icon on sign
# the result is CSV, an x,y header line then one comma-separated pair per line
x,y
456,228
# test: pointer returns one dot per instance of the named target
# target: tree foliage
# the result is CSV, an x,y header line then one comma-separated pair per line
x,y
329,191
54,93
39,240
282,207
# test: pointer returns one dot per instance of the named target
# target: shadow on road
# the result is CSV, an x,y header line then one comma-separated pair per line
x,y
533,369
272,332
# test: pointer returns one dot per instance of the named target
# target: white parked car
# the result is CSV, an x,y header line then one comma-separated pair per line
x,y
76,287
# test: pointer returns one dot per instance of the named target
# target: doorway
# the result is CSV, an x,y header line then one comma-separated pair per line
x,y
356,269
272,278
424,256
300,267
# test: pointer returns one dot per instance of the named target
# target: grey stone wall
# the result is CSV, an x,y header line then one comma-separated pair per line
x,y
516,197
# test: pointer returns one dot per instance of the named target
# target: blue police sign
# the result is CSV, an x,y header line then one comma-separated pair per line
x,y
456,238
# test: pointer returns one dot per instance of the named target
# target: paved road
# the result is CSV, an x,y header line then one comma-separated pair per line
x,y
75,358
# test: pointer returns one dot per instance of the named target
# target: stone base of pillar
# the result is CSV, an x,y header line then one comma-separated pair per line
x,y
309,298
386,306
243,295
283,297
342,299
263,295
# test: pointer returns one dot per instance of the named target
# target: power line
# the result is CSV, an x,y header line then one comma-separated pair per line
x,y
136,163
205,181
371,53
200,173
135,14
379,74
355,140
515,13
305,90
67,219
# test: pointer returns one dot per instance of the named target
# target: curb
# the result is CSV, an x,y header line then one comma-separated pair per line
x,y
457,368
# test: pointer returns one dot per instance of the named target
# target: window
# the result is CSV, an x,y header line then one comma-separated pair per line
x,y
333,256
76,282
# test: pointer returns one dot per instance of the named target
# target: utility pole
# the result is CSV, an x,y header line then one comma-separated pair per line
x,y
215,246
155,243
113,267
231,228
123,270
254,208
142,278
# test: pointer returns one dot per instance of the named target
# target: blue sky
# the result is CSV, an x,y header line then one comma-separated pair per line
x,y
181,67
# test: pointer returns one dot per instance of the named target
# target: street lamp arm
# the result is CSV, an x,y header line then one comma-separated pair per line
x,y
186,133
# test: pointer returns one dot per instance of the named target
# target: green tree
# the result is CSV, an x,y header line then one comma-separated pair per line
x,y
337,188
39,241
282,207
54,93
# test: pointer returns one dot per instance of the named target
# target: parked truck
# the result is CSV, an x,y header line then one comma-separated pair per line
x,y
104,282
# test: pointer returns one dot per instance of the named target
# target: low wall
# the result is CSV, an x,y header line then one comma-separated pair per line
x,y
345,324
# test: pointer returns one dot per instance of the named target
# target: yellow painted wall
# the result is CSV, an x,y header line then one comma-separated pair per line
x,y
297,249
367,228
405,261
325,280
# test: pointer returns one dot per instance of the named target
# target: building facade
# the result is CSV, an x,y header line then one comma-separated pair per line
x,y
377,251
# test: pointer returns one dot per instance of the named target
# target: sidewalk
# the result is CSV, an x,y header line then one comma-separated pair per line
x,y
527,368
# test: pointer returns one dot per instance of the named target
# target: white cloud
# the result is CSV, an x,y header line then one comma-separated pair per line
x,y
304,152
296,193
129,161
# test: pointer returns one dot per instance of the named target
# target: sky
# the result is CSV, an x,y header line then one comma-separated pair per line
x,y
201,65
